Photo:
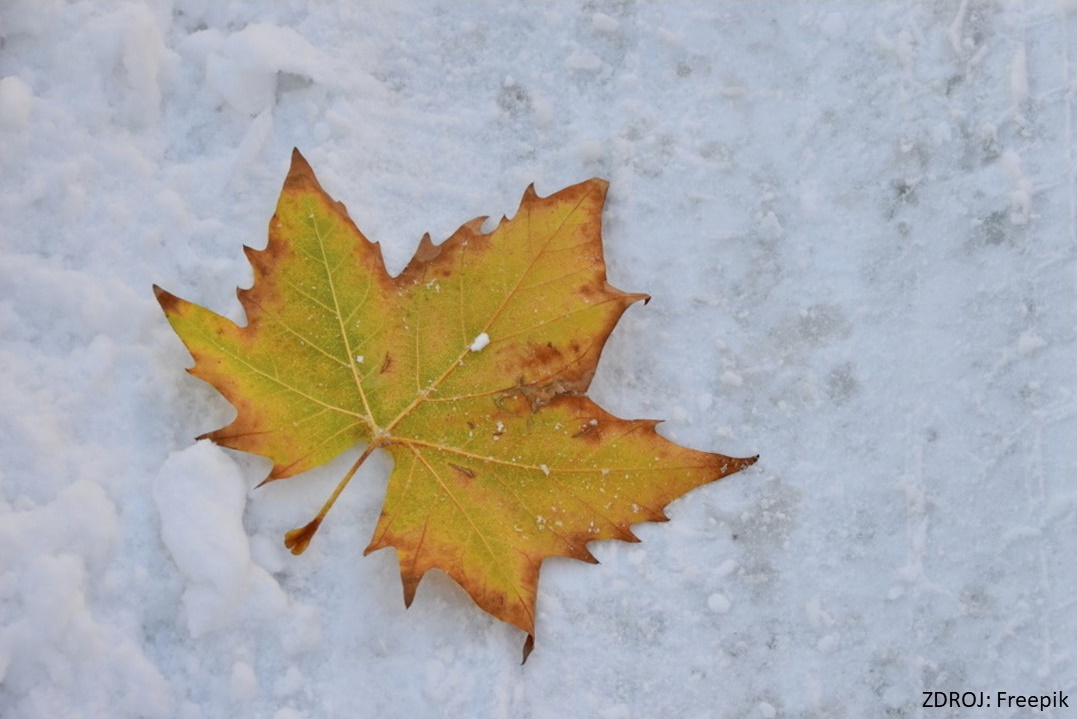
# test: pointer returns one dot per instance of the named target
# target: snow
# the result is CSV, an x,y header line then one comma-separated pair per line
x,y
15,101
719,603
200,495
858,226
480,341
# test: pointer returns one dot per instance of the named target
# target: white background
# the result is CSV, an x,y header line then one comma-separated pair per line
x,y
857,222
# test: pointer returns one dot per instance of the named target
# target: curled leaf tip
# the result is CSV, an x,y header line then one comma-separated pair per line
x,y
529,646
298,540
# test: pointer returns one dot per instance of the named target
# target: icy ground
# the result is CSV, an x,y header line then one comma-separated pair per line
x,y
857,222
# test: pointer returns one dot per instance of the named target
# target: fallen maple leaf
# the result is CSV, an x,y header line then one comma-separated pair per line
x,y
469,368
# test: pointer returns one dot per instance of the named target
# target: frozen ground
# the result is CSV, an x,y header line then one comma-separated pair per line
x,y
857,222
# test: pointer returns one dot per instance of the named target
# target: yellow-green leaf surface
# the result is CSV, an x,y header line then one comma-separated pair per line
x,y
469,368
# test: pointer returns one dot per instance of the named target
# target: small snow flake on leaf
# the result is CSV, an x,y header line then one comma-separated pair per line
x,y
481,341
469,368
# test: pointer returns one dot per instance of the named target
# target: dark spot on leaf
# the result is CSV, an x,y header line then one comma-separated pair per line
x,y
589,432
544,355
470,474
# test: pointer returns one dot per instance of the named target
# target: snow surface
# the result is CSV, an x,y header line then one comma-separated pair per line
x,y
858,224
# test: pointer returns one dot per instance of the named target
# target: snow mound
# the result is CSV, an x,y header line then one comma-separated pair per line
x,y
246,68
49,624
200,496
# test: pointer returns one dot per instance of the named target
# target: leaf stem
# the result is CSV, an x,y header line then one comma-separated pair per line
x,y
297,540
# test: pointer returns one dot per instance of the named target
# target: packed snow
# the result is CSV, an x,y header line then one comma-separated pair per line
x,y
480,342
858,226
